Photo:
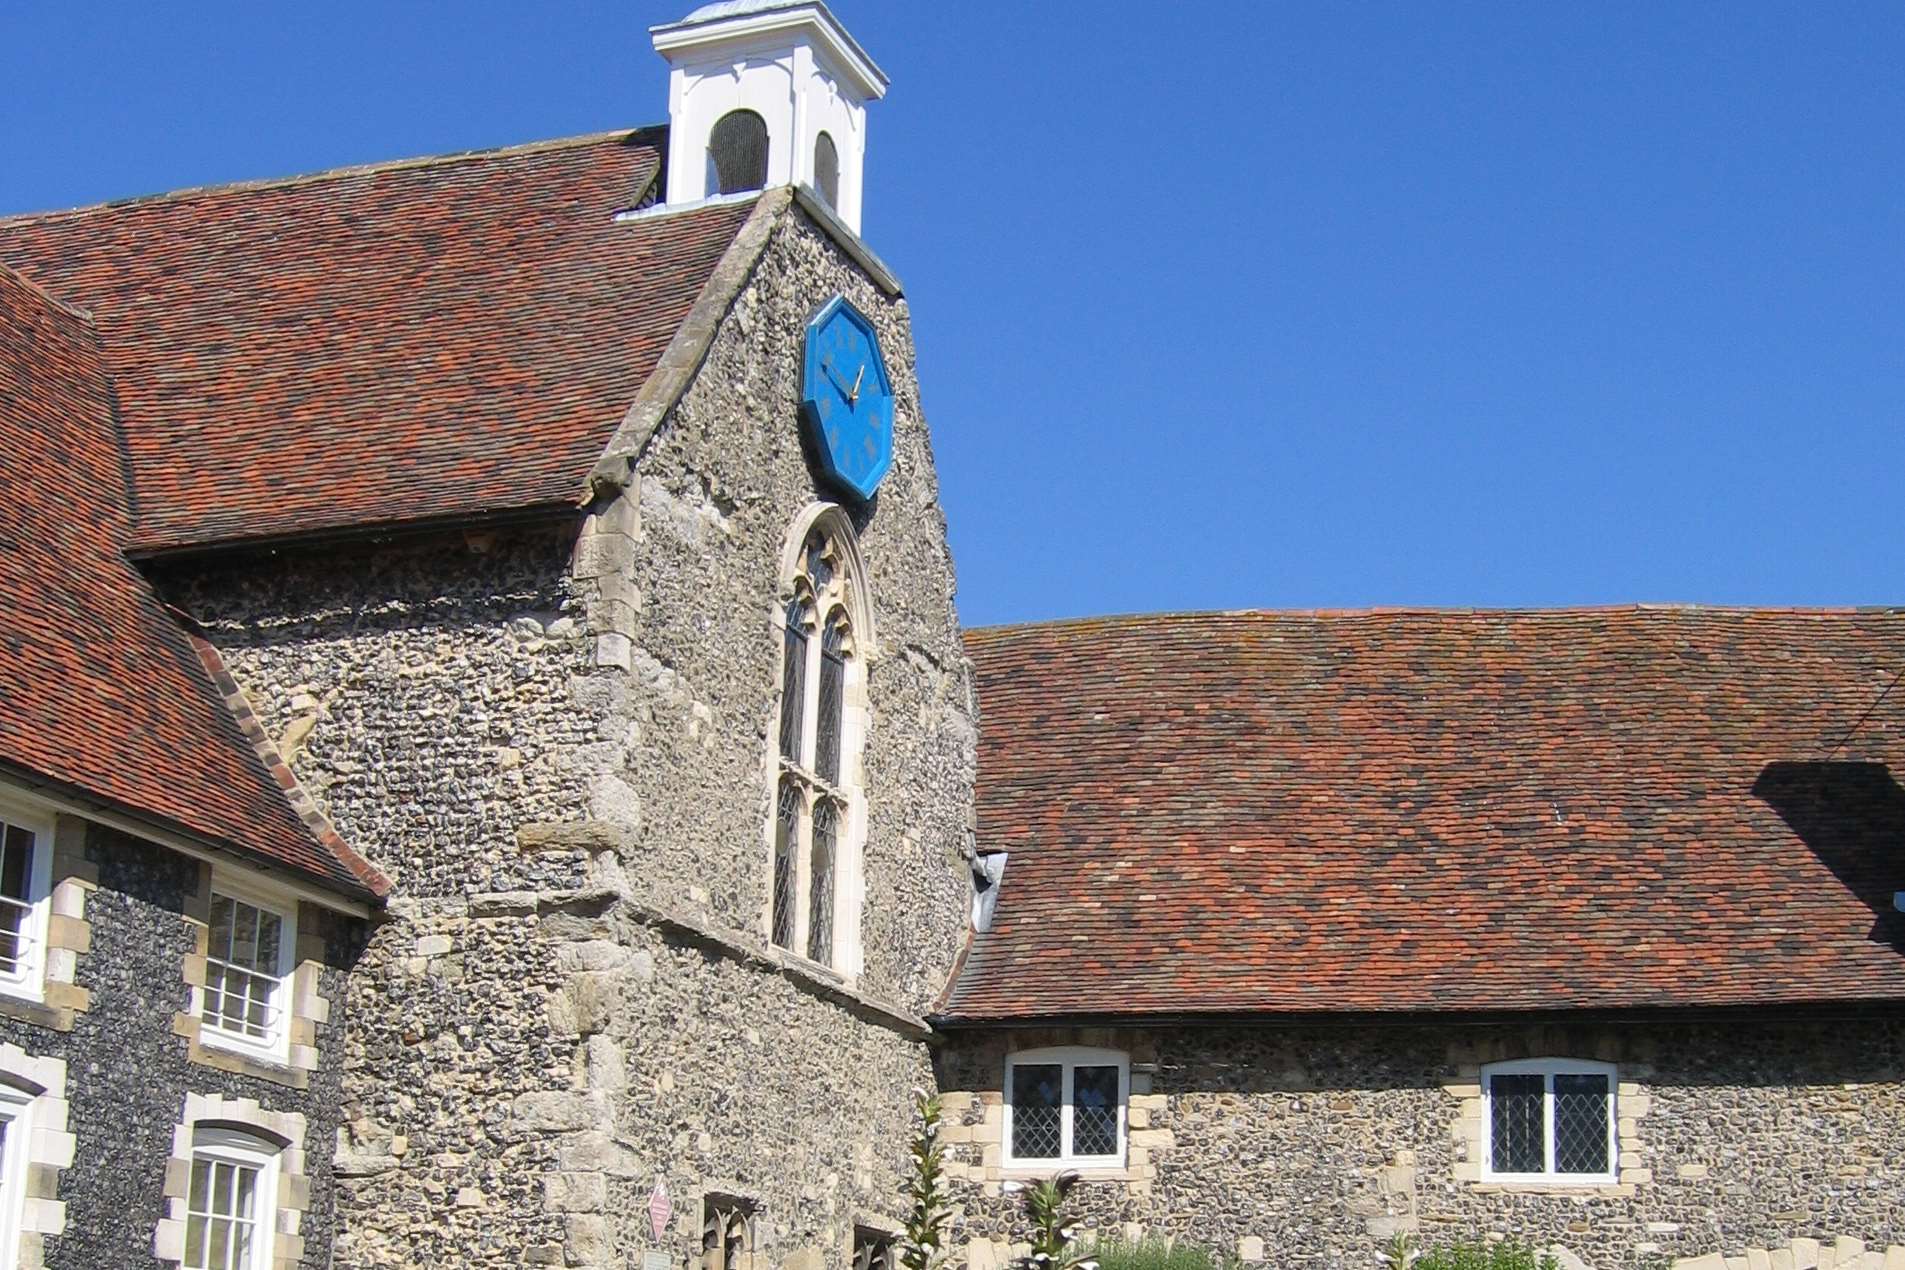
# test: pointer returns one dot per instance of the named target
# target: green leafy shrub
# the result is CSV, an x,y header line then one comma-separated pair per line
x,y
1154,1253
923,1245
1404,1254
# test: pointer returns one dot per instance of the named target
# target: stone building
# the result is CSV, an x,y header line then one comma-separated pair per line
x,y
488,758
1313,929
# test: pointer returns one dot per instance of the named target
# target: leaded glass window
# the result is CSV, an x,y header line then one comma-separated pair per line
x,y
793,679
832,698
820,879
818,750
1550,1119
1038,1102
1066,1107
787,817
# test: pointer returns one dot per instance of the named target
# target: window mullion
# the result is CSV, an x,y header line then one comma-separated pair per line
x,y
1547,1123
803,864
1065,1111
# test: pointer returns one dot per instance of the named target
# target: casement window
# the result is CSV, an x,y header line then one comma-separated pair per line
x,y
1549,1120
26,867
16,1126
815,881
244,1004
230,1205
727,1233
1066,1108
875,1249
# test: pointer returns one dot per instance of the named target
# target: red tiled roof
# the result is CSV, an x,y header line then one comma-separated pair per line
x,y
100,691
1440,811
432,339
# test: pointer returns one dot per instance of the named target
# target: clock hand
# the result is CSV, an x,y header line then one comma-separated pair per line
x,y
828,367
854,396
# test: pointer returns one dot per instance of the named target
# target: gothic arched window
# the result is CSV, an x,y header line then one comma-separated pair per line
x,y
815,827
827,169
737,153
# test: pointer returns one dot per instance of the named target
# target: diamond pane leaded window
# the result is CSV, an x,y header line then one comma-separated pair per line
x,y
1580,1123
1515,1119
1066,1107
786,863
1094,1111
820,880
829,722
1550,1118
1038,1100
793,680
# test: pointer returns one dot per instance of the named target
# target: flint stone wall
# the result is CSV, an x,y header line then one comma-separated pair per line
x,y
127,1073
1314,1146
555,740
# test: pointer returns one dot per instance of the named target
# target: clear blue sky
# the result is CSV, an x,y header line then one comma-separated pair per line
x,y
1234,304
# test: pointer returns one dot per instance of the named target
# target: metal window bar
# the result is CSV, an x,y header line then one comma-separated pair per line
x,y
820,881
16,937
221,1215
240,1001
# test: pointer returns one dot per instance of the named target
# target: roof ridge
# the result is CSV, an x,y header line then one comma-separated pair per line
x,y
1444,610
65,306
332,174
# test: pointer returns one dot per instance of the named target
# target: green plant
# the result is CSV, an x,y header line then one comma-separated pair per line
x,y
1053,1246
1477,1255
1154,1253
924,1243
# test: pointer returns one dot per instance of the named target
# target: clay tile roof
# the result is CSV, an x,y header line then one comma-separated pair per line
x,y
1440,811
431,339
102,695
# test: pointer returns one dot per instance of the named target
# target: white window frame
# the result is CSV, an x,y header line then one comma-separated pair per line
x,y
1548,1069
239,1146
276,1048
27,980
1068,1058
16,1109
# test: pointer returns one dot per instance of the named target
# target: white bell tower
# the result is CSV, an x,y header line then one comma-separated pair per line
x,y
763,93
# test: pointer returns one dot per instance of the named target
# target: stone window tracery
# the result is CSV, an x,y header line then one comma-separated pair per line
x,y
817,818
727,1233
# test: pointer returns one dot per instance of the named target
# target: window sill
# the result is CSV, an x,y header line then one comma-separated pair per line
x,y
36,1011
1025,1172
204,1049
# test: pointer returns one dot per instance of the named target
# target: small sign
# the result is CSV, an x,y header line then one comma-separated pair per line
x,y
656,1259
658,1210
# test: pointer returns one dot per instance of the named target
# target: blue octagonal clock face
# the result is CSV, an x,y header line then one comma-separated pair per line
x,y
846,399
